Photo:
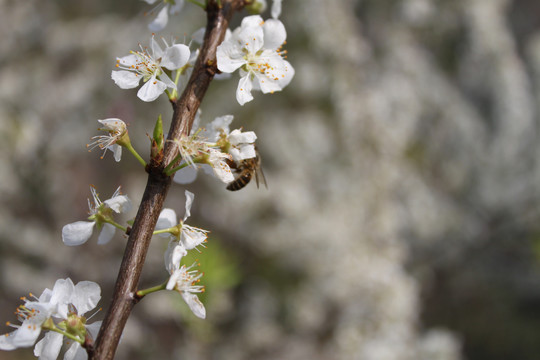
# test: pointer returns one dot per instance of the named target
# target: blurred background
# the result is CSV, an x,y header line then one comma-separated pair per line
x,y
401,219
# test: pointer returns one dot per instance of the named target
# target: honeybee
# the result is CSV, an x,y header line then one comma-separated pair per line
x,y
246,169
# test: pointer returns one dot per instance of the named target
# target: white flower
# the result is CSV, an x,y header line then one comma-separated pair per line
x,y
148,66
168,7
196,150
78,300
255,48
117,129
32,315
184,280
241,145
79,232
183,237
65,303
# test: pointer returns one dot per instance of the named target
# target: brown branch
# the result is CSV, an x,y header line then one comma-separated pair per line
x,y
158,184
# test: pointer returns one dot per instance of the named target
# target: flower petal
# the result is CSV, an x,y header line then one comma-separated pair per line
x,y
151,90
274,34
223,172
130,60
287,73
189,201
174,254
252,21
243,152
238,137
119,204
251,38
175,8
191,237
276,8
77,233
62,292
195,305
6,341
76,352
93,328
185,176
125,79
219,124
160,21
243,91
266,84
113,124
86,296
167,219
157,52
117,151
167,81
229,57
49,347
106,234
175,57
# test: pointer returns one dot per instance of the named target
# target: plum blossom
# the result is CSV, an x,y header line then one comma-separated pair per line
x,y
240,145
255,49
79,232
32,315
77,300
234,146
183,237
149,66
172,7
195,150
185,281
61,309
117,132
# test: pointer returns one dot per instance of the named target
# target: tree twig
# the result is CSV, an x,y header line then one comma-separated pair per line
x,y
158,184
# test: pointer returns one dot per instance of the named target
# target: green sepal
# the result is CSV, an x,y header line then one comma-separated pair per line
x,y
157,139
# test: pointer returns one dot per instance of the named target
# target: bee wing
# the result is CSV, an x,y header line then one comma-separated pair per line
x,y
258,172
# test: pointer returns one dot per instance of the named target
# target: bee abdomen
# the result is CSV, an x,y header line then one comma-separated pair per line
x,y
240,182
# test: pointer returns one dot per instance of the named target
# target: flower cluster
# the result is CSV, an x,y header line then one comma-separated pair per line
x,y
182,237
217,147
59,311
255,49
